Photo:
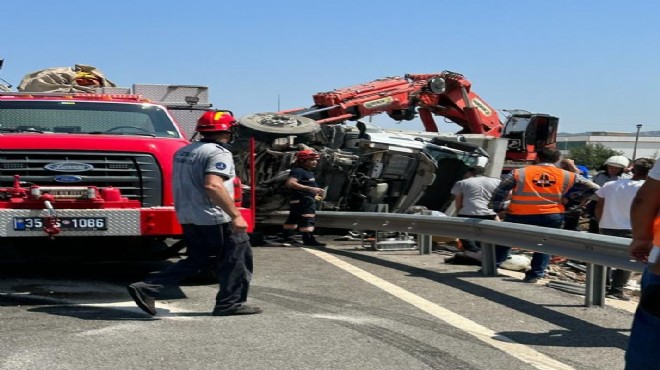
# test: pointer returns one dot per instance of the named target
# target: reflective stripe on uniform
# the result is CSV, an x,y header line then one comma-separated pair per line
x,y
539,190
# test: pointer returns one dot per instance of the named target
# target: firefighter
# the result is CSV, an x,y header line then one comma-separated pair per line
x,y
302,202
203,185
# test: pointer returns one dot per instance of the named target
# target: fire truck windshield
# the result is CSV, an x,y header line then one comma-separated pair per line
x,y
76,117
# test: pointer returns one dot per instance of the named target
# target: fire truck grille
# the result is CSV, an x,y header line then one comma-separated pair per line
x,y
137,176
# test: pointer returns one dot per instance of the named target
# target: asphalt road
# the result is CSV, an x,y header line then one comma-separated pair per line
x,y
339,307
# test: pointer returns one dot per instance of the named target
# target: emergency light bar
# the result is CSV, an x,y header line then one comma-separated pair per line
x,y
78,96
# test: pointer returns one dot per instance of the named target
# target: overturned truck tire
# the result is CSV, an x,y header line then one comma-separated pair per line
x,y
269,126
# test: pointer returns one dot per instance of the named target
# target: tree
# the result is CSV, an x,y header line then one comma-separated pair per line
x,y
592,155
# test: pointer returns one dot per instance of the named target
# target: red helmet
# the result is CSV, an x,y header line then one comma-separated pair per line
x,y
306,154
215,121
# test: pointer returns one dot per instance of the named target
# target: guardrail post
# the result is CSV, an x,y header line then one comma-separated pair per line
x,y
595,285
488,265
425,243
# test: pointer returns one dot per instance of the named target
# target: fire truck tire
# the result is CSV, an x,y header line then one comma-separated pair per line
x,y
268,126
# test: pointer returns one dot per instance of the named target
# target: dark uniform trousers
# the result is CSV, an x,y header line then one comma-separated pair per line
x,y
205,245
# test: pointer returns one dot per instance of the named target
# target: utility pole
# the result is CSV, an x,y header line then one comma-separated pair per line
x,y
634,156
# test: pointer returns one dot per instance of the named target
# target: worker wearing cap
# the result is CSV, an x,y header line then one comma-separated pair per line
x,y
213,227
612,170
642,352
302,203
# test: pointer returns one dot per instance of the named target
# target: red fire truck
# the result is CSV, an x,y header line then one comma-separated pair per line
x,y
93,168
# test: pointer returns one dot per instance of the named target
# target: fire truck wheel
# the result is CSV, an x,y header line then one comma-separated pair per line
x,y
268,125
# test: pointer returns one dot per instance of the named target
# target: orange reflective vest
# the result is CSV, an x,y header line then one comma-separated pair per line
x,y
539,190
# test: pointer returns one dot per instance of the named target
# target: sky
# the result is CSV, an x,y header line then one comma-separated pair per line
x,y
593,64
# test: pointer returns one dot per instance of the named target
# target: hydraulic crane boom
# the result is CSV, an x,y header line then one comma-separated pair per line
x,y
447,94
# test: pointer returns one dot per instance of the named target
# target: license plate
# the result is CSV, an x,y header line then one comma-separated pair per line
x,y
65,223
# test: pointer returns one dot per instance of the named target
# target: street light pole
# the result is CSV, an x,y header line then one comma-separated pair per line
x,y
634,156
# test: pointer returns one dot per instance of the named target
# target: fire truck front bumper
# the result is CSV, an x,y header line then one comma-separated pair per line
x,y
157,221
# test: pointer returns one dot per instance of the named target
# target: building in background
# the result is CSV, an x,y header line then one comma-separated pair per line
x,y
647,146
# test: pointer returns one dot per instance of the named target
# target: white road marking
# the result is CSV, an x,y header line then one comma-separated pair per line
x,y
517,350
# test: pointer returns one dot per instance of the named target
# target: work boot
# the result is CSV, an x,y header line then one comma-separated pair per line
x,y
310,241
287,236
142,298
617,294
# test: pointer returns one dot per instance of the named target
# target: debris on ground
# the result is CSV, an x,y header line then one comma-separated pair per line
x,y
517,262
562,273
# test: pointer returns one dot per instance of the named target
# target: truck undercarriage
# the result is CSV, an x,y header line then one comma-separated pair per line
x,y
363,168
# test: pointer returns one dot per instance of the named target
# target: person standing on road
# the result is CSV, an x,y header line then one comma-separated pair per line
x,y
302,202
572,203
612,170
213,227
536,199
471,196
613,214
642,352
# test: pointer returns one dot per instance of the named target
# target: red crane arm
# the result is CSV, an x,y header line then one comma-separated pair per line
x,y
446,94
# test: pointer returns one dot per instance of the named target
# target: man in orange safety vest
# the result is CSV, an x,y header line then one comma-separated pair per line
x,y
535,194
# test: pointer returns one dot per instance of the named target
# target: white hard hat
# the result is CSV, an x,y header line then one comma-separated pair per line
x,y
617,161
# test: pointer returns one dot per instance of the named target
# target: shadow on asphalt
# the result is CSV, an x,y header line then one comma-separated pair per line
x,y
49,286
123,273
93,313
572,336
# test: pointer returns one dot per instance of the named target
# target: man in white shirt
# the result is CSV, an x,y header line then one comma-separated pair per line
x,y
613,169
613,214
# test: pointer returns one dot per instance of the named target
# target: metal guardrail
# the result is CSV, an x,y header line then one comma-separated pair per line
x,y
594,249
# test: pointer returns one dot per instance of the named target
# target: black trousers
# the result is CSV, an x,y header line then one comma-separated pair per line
x,y
299,207
473,245
208,244
617,278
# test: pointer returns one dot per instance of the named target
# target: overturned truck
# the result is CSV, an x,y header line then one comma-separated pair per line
x,y
362,167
